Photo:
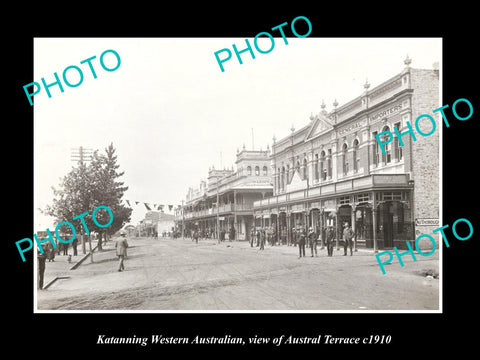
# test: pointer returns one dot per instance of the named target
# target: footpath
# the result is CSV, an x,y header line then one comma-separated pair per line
x,y
61,267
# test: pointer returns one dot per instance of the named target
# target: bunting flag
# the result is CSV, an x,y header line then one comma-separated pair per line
x,y
149,206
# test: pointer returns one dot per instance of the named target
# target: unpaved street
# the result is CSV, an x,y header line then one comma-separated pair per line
x,y
176,274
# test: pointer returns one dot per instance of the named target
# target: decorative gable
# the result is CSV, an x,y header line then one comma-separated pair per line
x,y
320,125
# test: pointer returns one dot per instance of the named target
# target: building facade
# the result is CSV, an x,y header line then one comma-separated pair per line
x,y
224,202
332,171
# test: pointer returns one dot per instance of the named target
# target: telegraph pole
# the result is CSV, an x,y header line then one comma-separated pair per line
x,y
81,154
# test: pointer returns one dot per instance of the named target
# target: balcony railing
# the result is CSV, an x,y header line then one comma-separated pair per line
x,y
364,182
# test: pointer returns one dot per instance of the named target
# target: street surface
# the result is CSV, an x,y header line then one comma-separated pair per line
x,y
176,274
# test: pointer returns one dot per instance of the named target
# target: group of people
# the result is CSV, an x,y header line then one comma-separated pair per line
x,y
210,234
301,238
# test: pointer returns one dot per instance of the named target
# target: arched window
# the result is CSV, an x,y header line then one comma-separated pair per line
x,y
387,153
249,171
283,178
344,159
329,164
356,159
398,153
257,171
316,176
265,171
323,169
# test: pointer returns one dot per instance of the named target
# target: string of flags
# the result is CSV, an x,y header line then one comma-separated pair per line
x,y
149,206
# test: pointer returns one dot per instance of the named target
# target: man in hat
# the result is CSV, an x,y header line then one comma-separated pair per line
x,y
347,238
252,236
312,239
329,235
121,245
301,242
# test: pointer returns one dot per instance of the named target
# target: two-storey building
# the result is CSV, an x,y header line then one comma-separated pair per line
x,y
332,171
225,200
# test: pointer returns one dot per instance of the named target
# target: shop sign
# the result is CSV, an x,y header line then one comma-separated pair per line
x,y
426,222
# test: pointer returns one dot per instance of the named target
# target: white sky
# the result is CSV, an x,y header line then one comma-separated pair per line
x,y
170,111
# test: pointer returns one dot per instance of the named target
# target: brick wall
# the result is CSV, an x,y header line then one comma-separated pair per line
x,y
425,150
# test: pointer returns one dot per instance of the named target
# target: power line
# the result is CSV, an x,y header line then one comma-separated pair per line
x,y
81,154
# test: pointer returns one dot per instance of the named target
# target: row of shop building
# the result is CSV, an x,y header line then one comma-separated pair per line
x,y
332,172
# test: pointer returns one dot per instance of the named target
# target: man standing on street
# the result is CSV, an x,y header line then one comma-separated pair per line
x,y
312,238
121,245
301,242
347,238
41,258
252,236
74,245
329,239
262,239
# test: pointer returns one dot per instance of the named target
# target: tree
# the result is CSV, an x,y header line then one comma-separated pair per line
x,y
108,191
85,188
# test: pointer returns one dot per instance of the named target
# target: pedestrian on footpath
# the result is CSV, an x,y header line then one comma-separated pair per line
x,y
74,246
195,236
312,238
347,238
262,239
65,249
329,240
121,245
252,236
301,242
258,237
41,258
50,252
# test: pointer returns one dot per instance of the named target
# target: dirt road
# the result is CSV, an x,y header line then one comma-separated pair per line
x,y
168,274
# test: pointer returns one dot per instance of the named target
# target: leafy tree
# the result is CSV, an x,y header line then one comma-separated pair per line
x,y
85,188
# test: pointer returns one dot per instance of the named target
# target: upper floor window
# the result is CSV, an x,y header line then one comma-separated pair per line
x,y
265,171
257,171
398,153
356,158
387,153
249,170
344,159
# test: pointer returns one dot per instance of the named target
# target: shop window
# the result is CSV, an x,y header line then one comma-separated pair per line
x,y
344,200
365,197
